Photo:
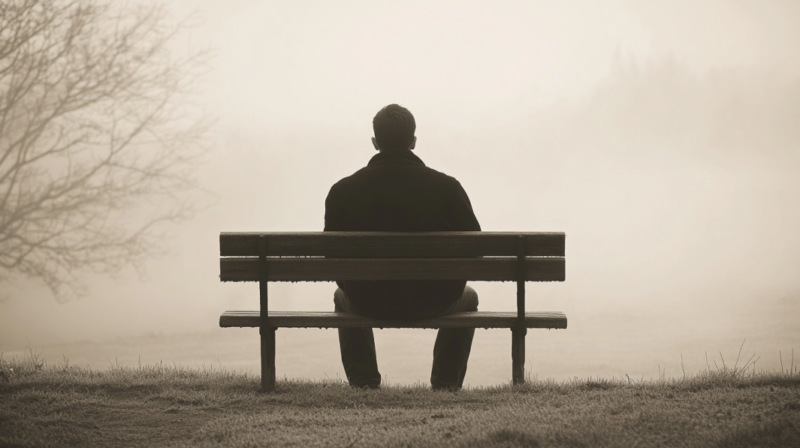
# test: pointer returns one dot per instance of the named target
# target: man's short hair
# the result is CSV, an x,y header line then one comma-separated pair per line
x,y
394,128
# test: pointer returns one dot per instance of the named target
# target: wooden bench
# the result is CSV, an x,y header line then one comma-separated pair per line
x,y
330,256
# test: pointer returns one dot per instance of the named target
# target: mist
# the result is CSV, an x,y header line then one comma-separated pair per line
x,y
661,137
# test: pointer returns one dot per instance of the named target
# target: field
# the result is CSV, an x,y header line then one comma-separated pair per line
x,y
597,344
160,405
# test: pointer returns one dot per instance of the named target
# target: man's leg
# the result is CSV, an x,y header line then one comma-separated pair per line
x,y
358,349
451,351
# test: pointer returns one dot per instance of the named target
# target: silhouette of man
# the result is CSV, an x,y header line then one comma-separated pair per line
x,y
397,192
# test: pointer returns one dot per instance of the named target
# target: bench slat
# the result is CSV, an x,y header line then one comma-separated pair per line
x,y
234,269
393,244
479,319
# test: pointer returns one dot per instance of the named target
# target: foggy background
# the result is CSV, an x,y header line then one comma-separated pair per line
x,y
661,137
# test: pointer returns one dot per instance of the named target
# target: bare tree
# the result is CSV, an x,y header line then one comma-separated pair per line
x,y
98,137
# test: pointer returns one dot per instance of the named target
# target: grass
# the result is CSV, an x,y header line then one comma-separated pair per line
x,y
159,405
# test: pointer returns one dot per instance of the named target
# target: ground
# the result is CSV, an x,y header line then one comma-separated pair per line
x,y
160,405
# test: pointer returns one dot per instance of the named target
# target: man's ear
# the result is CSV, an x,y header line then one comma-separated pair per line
x,y
413,144
375,144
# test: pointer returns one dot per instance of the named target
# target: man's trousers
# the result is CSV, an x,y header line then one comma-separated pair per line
x,y
450,353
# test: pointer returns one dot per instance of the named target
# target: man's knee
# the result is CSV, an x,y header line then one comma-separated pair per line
x,y
467,302
470,298
340,301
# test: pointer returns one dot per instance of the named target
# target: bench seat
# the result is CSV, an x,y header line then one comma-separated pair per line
x,y
331,319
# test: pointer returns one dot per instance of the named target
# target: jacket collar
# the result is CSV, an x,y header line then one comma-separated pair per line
x,y
391,156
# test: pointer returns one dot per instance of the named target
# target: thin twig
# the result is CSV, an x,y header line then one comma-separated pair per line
x,y
682,367
740,354
746,364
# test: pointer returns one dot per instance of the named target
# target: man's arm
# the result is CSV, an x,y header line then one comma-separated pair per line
x,y
333,212
460,215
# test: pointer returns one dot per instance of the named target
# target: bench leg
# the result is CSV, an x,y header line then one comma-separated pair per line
x,y
267,359
518,356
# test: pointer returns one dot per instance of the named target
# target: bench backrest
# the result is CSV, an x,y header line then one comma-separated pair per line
x,y
330,256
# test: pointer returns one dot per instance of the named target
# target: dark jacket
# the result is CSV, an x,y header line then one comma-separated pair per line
x,y
397,192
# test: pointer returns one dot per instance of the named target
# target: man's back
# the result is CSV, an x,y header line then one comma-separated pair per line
x,y
396,192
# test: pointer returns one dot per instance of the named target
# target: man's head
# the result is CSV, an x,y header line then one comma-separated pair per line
x,y
394,128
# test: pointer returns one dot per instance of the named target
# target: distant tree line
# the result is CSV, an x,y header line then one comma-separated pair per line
x,y
661,105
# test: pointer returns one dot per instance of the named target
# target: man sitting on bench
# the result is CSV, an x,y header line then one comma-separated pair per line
x,y
397,192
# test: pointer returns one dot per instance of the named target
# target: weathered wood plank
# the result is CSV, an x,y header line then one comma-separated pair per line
x,y
313,319
393,244
235,269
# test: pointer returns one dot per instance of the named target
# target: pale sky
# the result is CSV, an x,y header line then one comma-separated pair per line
x,y
500,91
330,63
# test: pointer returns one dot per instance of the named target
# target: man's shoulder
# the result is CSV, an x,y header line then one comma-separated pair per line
x,y
370,172
440,175
443,181
346,182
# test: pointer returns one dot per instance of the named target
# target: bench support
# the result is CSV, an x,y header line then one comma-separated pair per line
x,y
518,356
267,359
518,333
267,333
